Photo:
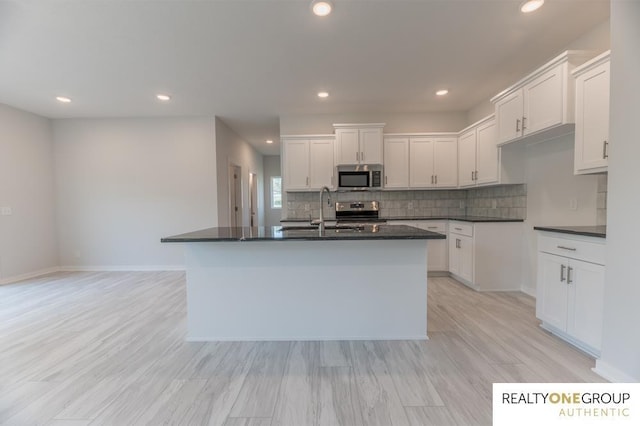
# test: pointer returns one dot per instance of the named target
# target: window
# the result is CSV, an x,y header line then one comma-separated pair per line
x,y
276,192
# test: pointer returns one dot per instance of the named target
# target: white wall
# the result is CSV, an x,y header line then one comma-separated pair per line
x,y
620,359
550,186
271,168
122,184
232,149
28,243
395,122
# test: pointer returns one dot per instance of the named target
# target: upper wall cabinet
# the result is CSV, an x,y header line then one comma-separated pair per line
x,y
420,161
307,162
541,105
358,143
592,115
478,154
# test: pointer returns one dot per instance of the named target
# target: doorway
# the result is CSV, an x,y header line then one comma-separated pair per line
x,y
235,195
253,200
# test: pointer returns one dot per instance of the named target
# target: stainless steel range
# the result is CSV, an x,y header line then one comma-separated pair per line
x,y
359,212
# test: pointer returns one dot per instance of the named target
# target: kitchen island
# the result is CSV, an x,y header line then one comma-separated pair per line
x,y
273,283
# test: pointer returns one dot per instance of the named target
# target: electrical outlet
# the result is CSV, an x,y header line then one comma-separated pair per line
x,y
6,211
410,205
573,204
306,207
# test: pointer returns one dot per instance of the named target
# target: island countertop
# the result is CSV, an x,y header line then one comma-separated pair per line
x,y
276,233
475,219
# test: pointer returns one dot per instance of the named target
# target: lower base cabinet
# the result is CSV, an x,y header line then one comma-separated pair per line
x,y
437,255
486,256
570,288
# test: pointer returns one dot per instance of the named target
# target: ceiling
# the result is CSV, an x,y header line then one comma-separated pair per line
x,y
250,61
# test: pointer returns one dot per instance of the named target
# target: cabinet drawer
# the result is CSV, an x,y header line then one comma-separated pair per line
x,y
440,227
572,248
461,228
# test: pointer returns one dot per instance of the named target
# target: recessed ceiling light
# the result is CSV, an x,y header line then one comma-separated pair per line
x,y
323,94
531,5
442,92
321,7
163,97
269,141
63,99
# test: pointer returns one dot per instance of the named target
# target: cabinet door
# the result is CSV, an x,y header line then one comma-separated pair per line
x,y
296,165
552,300
543,101
509,117
586,295
465,248
487,154
592,119
320,164
421,163
445,162
467,158
396,163
347,146
437,250
371,146
454,254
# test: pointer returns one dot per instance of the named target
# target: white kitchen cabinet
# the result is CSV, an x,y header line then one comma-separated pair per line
x,y
358,144
478,154
437,250
542,101
570,288
433,162
486,256
592,115
396,163
307,163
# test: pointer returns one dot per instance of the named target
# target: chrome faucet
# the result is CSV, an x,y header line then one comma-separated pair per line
x,y
322,190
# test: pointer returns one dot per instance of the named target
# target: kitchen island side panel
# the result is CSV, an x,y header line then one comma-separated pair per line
x,y
307,290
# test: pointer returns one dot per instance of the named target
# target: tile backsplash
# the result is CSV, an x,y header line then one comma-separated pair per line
x,y
601,200
503,201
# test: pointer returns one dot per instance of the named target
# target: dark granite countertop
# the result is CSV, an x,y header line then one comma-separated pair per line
x,y
460,218
276,233
587,231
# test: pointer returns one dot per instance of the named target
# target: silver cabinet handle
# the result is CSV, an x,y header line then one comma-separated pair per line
x,y
471,175
517,125
524,121
458,229
358,156
569,280
436,182
605,150
562,267
431,179
432,227
385,180
459,243
362,155
476,175
567,248
307,181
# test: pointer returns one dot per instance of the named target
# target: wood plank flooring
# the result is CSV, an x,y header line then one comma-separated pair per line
x,y
108,348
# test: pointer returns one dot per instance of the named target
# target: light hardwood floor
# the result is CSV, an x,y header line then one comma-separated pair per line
x,y
109,348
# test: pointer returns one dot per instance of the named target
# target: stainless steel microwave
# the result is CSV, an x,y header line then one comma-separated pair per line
x,y
359,178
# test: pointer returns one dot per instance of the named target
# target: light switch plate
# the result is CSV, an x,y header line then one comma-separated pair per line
x,y
6,211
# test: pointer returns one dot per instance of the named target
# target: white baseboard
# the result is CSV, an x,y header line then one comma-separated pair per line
x,y
299,338
612,374
29,275
124,268
530,291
